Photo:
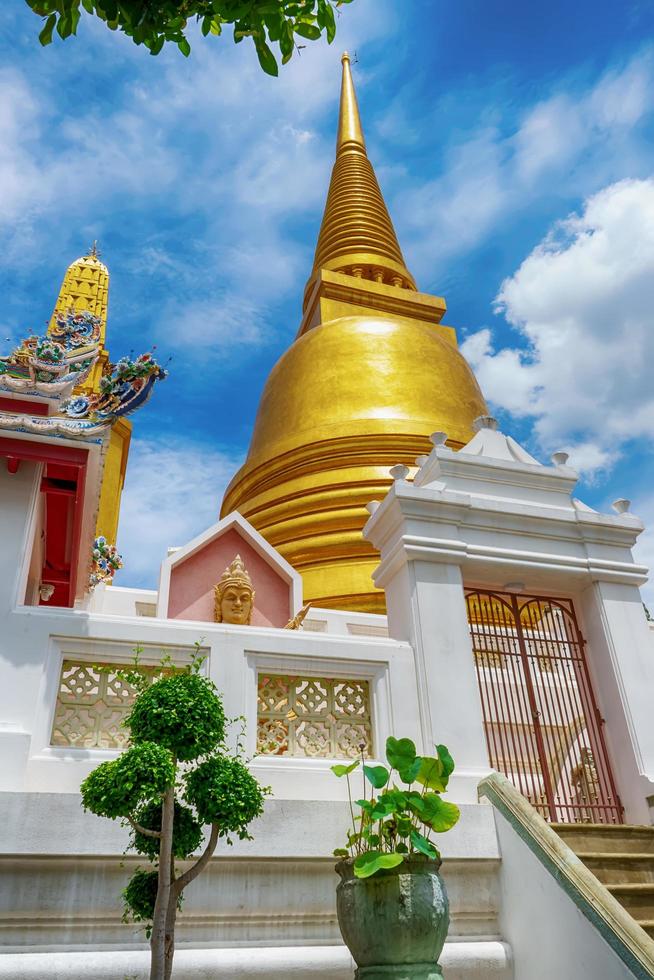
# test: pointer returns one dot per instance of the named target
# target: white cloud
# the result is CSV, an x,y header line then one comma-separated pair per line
x,y
566,143
205,163
202,327
582,301
173,491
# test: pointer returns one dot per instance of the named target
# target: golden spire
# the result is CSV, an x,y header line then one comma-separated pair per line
x,y
350,133
357,235
371,374
85,287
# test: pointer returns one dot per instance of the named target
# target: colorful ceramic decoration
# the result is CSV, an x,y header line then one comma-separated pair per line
x,y
105,562
54,366
55,363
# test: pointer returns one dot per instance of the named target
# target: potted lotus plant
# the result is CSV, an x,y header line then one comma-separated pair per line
x,y
392,905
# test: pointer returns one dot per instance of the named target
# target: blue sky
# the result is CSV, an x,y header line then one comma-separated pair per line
x,y
514,145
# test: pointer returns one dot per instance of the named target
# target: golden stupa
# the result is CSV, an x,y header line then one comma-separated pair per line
x,y
371,373
85,287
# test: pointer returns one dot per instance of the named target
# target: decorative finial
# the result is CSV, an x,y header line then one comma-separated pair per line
x,y
350,131
560,458
621,506
94,251
438,439
399,472
484,422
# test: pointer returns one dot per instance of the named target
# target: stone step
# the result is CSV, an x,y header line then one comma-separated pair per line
x,y
618,868
608,838
479,960
637,899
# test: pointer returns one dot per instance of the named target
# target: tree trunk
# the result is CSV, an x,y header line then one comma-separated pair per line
x,y
177,886
170,935
160,917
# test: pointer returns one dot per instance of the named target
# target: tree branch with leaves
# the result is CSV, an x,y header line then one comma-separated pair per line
x,y
155,23
176,777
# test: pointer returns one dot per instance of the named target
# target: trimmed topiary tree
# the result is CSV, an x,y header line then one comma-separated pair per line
x,y
176,777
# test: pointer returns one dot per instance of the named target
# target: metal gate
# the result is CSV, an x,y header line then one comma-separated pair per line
x,y
543,727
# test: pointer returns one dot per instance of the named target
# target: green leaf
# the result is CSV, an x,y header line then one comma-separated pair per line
x,y
286,42
431,774
403,826
381,809
376,775
371,861
341,770
396,798
400,753
330,22
64,26
423,845
184,47
439,814
446,760
341,852
310,31
266,57
410,775
45,37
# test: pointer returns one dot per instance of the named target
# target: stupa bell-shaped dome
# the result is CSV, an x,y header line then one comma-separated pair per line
x,y
370,375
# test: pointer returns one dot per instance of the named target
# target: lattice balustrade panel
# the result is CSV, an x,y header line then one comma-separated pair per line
x,y
319,717
92,704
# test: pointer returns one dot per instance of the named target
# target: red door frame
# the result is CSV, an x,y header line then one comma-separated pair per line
x,y
76,461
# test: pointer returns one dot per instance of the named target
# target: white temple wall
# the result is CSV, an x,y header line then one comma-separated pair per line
x,y
621,661
19,512
62,872
548,934
36,640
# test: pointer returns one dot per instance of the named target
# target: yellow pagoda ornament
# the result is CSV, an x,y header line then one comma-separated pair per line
x,y
85,288
371,373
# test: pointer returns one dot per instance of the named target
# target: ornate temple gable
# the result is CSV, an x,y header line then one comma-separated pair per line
x,y
189,575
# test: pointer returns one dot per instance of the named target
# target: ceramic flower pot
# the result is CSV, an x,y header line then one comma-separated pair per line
x,y
395,922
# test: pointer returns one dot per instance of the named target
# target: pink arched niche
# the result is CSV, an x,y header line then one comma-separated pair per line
x,y
193,579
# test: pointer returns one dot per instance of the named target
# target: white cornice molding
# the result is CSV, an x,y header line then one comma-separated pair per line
x,y
457,552
448,526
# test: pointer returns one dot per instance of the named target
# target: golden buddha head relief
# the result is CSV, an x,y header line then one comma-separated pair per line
x,y
234,595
